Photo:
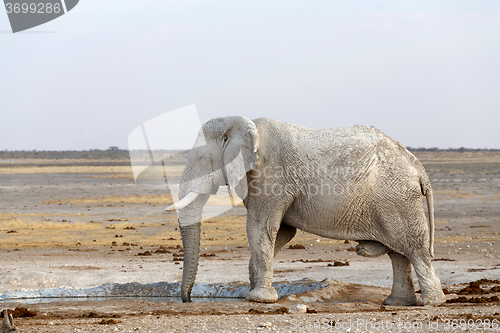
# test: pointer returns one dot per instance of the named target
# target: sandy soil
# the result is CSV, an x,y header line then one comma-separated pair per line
x,y
81,225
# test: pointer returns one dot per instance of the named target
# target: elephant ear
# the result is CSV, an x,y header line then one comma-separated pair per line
x,y
240,153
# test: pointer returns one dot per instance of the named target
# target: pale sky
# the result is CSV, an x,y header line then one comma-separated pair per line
x,y
425,72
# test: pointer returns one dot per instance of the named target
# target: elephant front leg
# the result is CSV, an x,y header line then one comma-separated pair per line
x,y
261,240
403,291
285,234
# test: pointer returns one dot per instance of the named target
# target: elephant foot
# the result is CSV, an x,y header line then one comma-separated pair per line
x,y
435,299
400,301
262,295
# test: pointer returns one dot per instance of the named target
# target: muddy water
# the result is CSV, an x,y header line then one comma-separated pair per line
x,y
39,300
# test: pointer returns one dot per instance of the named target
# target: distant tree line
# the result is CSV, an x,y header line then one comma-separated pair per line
x,y
93,154
65,154
123,154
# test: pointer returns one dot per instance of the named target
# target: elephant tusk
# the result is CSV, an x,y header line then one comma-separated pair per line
x,y
190,197
231,196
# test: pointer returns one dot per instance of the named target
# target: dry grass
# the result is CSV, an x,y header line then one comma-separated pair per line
x,y
454,157
492,198
32,230
215,200
457,194
482,162
16,162
158,170
221,231
463,194
65,169
114,199
128,176
102,171
146,173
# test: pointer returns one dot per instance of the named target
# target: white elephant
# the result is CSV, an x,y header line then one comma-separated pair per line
x,y
349,183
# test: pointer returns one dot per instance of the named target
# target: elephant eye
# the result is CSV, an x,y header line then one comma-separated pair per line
x,y
225,138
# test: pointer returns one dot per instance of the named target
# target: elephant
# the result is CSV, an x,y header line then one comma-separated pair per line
x,y
348,183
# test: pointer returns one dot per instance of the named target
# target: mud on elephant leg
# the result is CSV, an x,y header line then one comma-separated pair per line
x,y
403,291
430,286
285,235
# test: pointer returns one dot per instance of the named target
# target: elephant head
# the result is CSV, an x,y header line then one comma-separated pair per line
x,y
225,150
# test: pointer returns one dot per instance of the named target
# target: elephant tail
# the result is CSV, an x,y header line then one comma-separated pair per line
x,y
426,188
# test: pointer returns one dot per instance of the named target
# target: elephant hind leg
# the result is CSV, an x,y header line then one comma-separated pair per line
x,y
284,235
406,231
403,291
432,292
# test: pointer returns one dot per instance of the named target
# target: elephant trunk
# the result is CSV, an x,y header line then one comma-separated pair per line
x,y
191,244
190,225
195,188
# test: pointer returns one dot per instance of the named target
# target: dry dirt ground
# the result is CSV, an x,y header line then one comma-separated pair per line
x,y
80,223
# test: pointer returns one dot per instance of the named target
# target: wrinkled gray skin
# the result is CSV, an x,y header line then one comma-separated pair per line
x,y
8,324
349,183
